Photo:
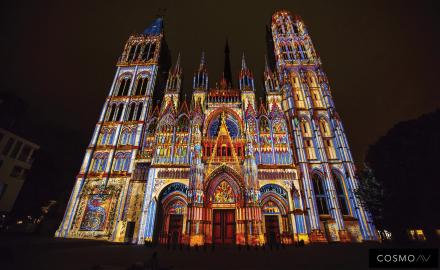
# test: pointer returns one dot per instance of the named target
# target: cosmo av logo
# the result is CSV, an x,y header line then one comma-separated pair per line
x,y
408,258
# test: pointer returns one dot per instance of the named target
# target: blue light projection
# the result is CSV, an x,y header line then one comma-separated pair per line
x,y
232,128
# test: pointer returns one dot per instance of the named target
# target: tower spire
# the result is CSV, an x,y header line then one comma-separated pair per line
x,y
246,80
202,61
227,68
243,62
266,64
177,65
200,80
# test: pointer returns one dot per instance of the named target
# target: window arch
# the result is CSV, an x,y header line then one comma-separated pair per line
x,y
96,161
296,199
315,91
118,161
141,86
103,136
122,162
128,136
138,113
127,159
111,136
148,52
123,87
340,193
126,87
131,52
325,128
305,128
298,94
330,148
111,112
320,195
124,136
99,162
300,54
131,111
137,52
119,110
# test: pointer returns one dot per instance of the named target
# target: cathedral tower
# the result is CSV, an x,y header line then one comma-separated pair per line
x,y
324,159
97,204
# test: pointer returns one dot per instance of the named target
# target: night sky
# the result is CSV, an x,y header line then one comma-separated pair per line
x,y
381,57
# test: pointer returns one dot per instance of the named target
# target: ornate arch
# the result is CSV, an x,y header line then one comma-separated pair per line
x,y
217,113
143,74
172,190
125,75
318,172
167,119
329,132
219,175
278,195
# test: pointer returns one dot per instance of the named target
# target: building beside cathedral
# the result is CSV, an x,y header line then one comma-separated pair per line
x,y
220,168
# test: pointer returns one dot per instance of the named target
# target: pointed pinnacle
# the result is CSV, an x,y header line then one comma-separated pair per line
x,y
177,66
243,62
202,60
266,64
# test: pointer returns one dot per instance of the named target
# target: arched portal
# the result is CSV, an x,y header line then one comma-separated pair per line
x,y
172,214
224,197
276,221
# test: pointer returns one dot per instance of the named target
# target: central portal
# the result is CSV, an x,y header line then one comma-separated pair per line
x,y
223,231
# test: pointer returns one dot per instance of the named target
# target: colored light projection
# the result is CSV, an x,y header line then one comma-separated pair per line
x,y
274,188
265,141
177,208
96,213
270,208
174,187
253,132
181,140
232,128
224,193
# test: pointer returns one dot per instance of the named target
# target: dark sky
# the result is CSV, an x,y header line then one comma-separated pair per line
x,y
381,57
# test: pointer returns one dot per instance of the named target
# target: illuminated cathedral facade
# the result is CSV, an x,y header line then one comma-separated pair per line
x,y
218,168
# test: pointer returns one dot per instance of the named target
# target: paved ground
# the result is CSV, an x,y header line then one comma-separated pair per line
x,y
35,252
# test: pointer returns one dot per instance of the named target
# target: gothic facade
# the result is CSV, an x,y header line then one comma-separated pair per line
x,y
219,168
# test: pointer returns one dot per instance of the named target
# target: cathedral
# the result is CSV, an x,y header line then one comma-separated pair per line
x,y
218,167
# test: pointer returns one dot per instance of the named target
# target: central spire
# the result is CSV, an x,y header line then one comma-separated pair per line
x,y
227,68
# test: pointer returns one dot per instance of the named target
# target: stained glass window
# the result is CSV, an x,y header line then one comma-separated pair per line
x,y
224,193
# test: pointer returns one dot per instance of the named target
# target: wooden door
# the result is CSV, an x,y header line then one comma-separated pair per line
x,y
175,228
272,229
223,231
